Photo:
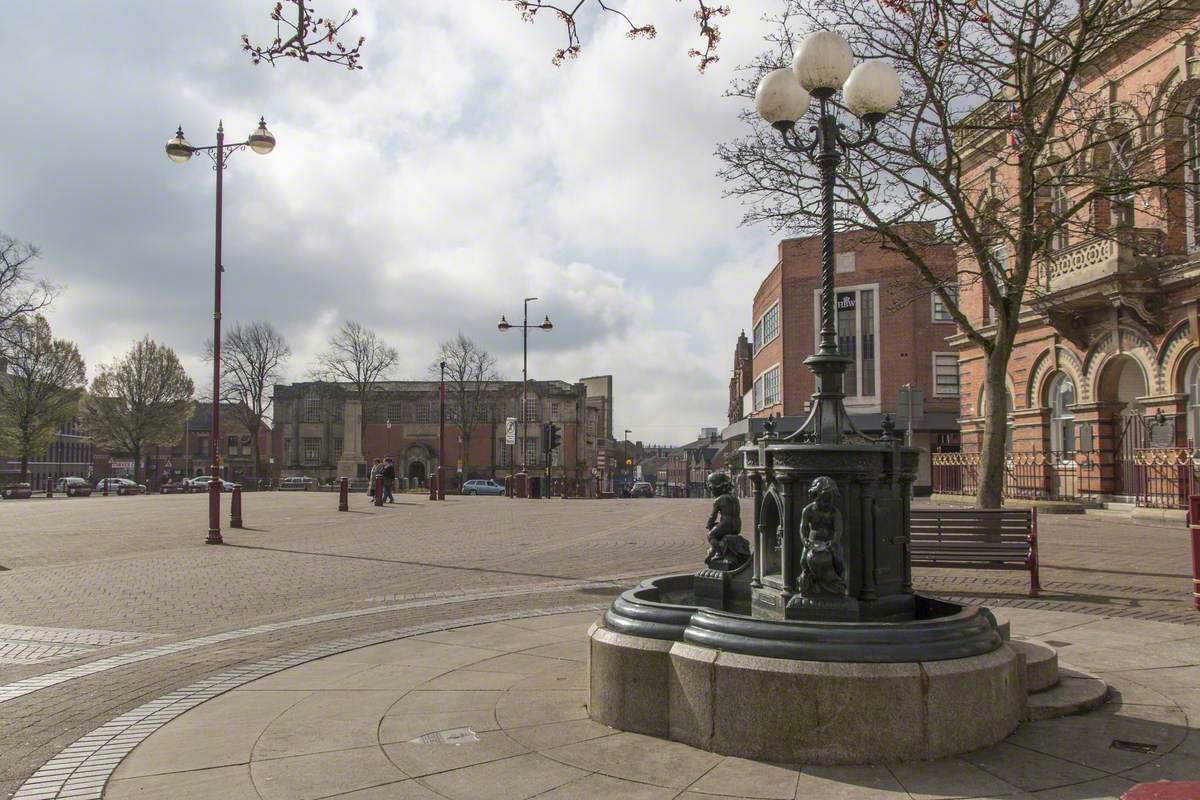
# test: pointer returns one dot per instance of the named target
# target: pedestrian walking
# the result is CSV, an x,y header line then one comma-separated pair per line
x,y
389,479
375,470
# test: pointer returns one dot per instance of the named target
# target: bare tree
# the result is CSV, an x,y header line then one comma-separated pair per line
x,y
139,400
302,35
21,294
252,359
40,392
1006,144
470,380
356,356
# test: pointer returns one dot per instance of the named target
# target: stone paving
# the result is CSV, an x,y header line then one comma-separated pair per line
x,y
499,711
131,577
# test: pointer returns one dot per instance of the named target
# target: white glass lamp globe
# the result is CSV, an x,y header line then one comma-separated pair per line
x,y
178,149
262,141
823,62
779,98
872,90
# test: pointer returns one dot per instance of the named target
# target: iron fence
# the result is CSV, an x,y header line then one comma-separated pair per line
x,y
1164,477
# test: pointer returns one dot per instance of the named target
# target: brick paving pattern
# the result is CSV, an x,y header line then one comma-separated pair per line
x,y
137,566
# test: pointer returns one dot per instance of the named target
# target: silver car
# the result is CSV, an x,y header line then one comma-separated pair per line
x,y
480,486
200,484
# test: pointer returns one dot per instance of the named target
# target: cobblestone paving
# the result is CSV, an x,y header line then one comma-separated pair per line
x,y
137,566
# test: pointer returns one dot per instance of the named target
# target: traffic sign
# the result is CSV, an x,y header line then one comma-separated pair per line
x,y
510,430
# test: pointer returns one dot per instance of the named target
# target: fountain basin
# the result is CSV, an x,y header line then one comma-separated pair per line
x,y
803,691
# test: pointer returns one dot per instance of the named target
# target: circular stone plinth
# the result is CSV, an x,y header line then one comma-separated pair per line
x,y
794,711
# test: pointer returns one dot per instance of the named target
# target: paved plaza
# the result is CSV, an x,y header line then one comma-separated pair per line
x,y
112,606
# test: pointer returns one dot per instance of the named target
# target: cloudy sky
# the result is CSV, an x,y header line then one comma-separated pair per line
x,y
427,194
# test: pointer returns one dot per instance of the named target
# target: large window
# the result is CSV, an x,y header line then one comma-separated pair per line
x,y
421,411
770,380
312,450
1062,418
532,407
856,324
767,328
1193,177
1058,214
1121,174
336,454
758,393
940,312
1193,392
945,374
532,445
312,409
998,267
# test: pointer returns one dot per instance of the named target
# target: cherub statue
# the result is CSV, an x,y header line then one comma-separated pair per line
x,y
727,548
822,570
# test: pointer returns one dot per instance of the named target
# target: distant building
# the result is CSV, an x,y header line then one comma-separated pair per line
x,y
401,420
69,455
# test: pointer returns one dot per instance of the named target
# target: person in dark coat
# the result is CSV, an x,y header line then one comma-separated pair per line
x,y
389,480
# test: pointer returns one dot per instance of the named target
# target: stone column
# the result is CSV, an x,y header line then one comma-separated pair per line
x,y
351,440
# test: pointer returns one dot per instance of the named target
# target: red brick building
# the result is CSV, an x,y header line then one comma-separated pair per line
x,y
1110,334
400,419
895,334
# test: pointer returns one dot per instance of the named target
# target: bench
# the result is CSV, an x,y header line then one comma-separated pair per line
x,y
976,538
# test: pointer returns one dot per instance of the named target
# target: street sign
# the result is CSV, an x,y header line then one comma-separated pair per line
x,y
510,430
910,397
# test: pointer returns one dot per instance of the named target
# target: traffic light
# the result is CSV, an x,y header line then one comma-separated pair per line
x,y
555,436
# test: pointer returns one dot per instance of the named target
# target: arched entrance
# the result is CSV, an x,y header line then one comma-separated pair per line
x,y
416,472
418,464
1121,384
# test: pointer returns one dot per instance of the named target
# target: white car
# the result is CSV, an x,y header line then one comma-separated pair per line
x,y
200,484
298,483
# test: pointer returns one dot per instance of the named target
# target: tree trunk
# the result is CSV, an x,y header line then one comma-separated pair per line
x,y
254,430
995,430
25,465
137,464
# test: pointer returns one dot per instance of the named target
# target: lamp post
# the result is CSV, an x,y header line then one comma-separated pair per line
x,y
823,66
625,457
179,150
441,478
524,326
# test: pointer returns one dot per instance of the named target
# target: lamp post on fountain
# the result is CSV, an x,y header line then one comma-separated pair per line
x,y
823,66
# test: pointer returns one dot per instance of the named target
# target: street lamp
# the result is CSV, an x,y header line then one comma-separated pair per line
x,y
625,457
824,65
441,479
524,326
179,150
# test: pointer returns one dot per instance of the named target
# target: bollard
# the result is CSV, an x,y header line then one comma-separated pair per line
x,y
441,483
1194,524
433,490
106,487
235,508
49,487
344,495
378,490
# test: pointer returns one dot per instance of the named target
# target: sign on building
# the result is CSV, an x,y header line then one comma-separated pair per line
x,y
510,430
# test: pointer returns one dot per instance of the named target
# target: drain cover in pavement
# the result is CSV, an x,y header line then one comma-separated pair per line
x,y
1134,747
448,736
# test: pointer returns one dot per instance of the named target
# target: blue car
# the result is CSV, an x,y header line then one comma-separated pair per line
x,y
479,486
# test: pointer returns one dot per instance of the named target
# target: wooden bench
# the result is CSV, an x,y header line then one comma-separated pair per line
x,y
976,538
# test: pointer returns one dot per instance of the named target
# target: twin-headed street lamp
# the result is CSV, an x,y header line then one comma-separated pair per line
x,y
823,65
524,326
179,150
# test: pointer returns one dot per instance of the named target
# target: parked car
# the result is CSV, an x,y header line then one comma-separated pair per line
x,y
200,484
17,491
481,486
120,486
180,486
297,483
73,487
641,489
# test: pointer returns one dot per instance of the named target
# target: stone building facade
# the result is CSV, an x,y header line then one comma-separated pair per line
x,y
1104,379
69,455
401,419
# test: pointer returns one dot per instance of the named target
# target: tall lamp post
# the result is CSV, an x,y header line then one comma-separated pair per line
x,y
625,457
823,66
524,326
441,478
180,150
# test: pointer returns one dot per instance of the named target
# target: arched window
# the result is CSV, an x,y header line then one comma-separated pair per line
x,y
1192,387
1062,419
1120,174
1192,177
1058,213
